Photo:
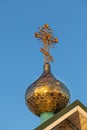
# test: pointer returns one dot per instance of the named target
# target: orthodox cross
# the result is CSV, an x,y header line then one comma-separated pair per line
x,y
45,35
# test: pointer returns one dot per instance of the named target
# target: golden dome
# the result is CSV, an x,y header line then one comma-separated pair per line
x,y
47,94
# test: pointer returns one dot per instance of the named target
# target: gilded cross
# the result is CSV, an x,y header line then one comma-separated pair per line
x,y
45,35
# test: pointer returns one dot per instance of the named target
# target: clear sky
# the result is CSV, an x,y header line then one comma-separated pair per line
x,y
21,61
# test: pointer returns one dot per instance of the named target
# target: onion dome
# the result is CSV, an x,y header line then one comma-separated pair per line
x,y
47,94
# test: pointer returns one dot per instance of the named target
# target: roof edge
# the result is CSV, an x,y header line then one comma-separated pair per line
x,y
61,113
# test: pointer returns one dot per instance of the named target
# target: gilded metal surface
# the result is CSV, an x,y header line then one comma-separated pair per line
x,y
47,94
45,35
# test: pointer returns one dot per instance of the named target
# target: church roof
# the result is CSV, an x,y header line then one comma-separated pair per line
x,y
75,115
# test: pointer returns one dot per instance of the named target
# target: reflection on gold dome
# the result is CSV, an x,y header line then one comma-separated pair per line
x,y
47,94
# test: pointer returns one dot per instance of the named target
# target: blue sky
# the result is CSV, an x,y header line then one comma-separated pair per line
x,y
21,62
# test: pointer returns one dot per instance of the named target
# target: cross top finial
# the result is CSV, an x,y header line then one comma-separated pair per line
x,y
45,34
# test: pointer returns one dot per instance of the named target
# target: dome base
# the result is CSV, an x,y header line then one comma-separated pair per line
x,y
45,116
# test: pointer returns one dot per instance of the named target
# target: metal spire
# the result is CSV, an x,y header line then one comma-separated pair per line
x,y
45,35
